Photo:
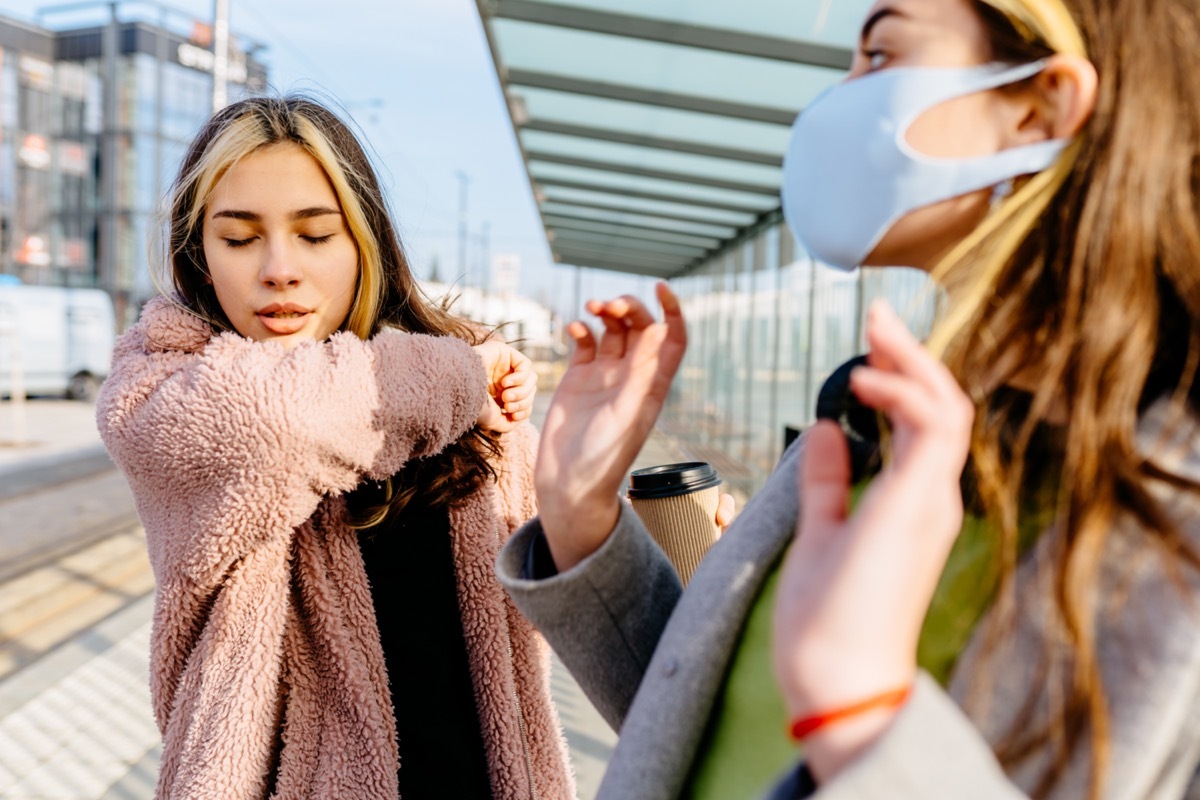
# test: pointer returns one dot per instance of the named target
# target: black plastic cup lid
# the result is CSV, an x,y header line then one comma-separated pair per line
x,y
670,480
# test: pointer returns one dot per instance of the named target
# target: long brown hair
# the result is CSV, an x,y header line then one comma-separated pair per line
x,y
1087,280
387,294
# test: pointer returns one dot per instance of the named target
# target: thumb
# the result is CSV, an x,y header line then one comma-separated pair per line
x,y
824,477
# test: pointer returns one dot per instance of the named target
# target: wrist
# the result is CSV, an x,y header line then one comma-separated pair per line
x,y
823,670
834,747
848,713
576,529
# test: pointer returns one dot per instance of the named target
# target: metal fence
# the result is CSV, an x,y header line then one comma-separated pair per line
x,y
767,325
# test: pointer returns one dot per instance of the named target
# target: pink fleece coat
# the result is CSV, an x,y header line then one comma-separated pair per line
x,y
267,674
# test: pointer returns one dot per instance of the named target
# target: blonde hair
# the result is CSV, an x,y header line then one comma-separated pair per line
x,y
387,293
1084,283
990,247
242,134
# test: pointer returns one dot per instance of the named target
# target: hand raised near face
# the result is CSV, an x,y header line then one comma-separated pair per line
x,y
601,414
512,385
855,589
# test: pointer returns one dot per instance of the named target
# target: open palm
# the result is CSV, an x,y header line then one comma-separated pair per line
x,y
601,414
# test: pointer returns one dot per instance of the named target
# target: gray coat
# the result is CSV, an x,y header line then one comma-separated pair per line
x,y
652,658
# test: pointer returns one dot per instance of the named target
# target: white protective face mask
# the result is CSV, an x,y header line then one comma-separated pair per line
x,y
850,174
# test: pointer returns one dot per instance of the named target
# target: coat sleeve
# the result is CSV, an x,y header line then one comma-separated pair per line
x,y
517,497
930,751
235,441
604,616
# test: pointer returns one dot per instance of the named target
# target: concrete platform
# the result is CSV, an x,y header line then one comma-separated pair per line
x,y
75,717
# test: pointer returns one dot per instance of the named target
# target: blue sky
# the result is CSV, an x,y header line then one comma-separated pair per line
x,y
417,77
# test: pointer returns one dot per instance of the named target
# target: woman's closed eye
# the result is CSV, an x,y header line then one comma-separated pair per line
x,y
876,59
234,242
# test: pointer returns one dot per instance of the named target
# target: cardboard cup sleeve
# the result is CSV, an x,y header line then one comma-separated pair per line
x,y
678,505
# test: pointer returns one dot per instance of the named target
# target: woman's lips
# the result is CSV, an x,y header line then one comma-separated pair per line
x,y
283,322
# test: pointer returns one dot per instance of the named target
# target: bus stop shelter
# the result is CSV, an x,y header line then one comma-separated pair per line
x,y
653,131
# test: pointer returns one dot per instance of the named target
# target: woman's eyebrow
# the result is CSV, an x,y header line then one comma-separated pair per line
x,y
316,211
875,19
250,216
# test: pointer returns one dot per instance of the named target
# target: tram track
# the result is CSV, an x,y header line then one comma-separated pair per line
x,y
72,552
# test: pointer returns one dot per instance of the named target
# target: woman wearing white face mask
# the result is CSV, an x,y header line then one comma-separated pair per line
x,y
1026,626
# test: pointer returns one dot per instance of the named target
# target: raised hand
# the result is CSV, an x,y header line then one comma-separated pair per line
x,y
602,412
855,590
512,385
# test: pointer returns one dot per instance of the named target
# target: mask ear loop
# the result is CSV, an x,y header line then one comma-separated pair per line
x,y
1001,192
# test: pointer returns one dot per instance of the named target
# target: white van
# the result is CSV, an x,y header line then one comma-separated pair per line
x,y
65,337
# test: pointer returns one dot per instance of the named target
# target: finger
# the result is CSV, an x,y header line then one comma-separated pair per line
x,y
523,376
612,345
725,511
524,382
946,421
894,348
520,362
631,310
519,405
585,343
904,399
824,477
878,316
493,419
672,313
909,403
519,393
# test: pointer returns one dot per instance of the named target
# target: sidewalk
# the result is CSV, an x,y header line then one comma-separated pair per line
x,y
51,428
76,723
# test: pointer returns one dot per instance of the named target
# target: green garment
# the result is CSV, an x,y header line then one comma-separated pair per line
x,y
747,746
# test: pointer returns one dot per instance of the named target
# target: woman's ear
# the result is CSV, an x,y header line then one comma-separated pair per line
x,y
1057,102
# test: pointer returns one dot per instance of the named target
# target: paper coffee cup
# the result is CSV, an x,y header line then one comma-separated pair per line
x,y
678,504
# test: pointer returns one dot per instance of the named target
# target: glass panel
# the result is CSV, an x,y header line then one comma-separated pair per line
x,y
742,353
825,21
185,101
622,183
543,104
650,207
8,94
836,324
616,243
146,182
767,433
616,218
689,385
650,158
563,226
662,67
791,388
146,70
909,291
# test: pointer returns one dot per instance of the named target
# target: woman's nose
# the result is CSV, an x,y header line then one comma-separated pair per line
x,y
279,268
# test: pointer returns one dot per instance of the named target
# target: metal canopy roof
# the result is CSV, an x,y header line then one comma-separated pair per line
x,y
653,131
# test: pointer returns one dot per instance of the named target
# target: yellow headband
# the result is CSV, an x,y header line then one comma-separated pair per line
x,y
1048,19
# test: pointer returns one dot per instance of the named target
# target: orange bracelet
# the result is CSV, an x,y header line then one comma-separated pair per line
x,y
806,726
